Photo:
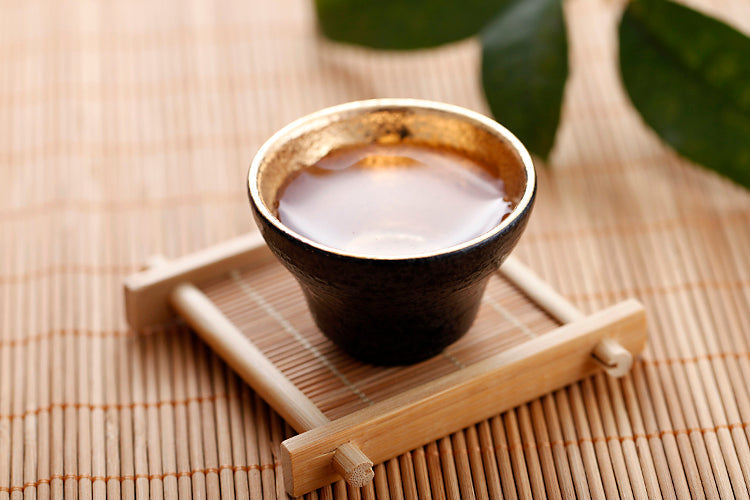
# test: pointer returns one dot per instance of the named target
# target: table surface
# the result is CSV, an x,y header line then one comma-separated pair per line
x,y
126,129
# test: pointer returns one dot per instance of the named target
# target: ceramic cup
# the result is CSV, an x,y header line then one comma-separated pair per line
x,y
391,310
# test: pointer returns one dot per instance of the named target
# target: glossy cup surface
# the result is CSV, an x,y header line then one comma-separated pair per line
x,y
397,309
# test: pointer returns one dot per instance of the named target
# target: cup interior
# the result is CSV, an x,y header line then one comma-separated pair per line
x,y
388,121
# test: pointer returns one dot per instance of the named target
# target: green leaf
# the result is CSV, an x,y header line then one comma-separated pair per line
x,y
402,24
524,69
688,75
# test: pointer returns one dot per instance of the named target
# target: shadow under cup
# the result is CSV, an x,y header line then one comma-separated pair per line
x,y
403,309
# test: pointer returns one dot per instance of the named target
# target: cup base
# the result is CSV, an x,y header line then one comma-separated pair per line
x,y
376,331
402,357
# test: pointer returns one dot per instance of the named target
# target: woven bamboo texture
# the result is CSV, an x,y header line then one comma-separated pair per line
x,y
126,128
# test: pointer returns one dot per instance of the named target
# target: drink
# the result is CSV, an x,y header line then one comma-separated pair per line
x,y
396,199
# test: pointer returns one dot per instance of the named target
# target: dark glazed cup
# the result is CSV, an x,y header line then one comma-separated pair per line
x,y
402,309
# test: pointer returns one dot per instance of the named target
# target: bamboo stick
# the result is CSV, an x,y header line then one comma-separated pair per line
x,y
437,484
17,425
340,489
166,412
223,434
181,433
31,419
6,369
140,419
238,462
544,449
421,473
127,441
276,438
155,471
353,493
589,422
249,412
191,353
380,481
491,468
326,493
463,466
621,462
265,456
521,475
672,484
70,429
474,453
551,422
502,453
580,450
27,458
44,421
408,476
83,394
529,449
395,485
208,421
448,467
636,448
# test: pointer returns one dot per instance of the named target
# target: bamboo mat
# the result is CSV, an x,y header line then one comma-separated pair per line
x,y
126,129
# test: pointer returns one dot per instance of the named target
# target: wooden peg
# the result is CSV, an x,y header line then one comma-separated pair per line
x,y
353,465
615,359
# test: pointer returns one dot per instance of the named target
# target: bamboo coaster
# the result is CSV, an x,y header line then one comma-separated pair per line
x,y
527,341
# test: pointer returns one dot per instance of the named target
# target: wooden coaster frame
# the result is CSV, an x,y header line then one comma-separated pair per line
x,y
325,450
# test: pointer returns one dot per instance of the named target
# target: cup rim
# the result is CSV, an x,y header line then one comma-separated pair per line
x,y
370,105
